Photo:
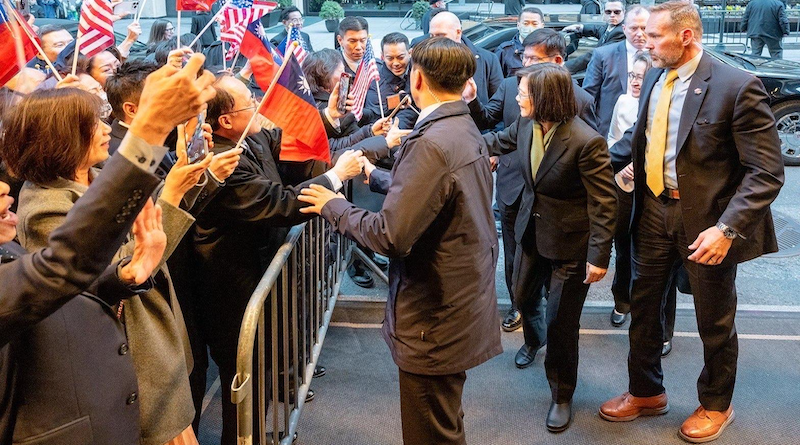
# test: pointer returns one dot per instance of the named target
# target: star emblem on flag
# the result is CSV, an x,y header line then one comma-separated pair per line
x,y
303,85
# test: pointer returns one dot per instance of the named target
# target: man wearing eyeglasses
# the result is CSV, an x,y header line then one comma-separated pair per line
x,y
291,18
613,13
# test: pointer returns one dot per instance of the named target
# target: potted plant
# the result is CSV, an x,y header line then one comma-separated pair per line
x,y
419,9
331,12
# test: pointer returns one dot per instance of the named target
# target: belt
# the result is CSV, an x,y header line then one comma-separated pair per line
x,y
671,194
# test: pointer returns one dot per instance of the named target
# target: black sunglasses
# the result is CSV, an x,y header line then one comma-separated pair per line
x,y
615,11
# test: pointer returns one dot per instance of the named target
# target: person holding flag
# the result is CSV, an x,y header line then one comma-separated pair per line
x,y
292,18
353,38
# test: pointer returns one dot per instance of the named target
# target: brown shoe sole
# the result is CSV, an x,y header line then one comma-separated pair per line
x,y
708,438
643,412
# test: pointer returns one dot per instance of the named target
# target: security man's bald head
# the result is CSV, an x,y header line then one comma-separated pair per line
x,y
446,24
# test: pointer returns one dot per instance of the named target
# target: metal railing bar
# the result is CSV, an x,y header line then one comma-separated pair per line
x,y
371,264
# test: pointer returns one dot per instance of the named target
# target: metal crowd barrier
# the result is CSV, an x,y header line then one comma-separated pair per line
x,y
289,314
723,27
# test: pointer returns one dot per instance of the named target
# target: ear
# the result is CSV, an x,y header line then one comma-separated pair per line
x,y
416,79
687,37
339,39
559,59
225,121
130,108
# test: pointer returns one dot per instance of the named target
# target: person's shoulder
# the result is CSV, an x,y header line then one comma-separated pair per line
x,y
506,44
608,50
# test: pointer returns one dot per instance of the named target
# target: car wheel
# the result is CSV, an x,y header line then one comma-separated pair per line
x,y
787,120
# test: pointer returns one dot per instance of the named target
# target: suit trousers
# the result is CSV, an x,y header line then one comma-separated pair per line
x,y
564,306
430,408
659,241
621,286
508,217
775,46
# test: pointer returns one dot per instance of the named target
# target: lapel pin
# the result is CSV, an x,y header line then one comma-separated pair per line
x,y
697,91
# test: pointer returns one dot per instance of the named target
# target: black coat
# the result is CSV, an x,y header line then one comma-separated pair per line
x,y
437,228
503,108
74,384
729,161
391,85
281,36
569,210
765,18
199,21
606,80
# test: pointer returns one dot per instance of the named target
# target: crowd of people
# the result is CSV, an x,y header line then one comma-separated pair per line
x,y
126,262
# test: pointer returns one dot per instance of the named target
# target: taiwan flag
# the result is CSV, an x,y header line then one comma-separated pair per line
x,y
256,47
291,107
10,30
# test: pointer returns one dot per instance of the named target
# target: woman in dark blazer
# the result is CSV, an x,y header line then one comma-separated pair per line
x,y
565,223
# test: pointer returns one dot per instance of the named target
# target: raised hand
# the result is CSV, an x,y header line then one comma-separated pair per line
x,y
394,135
150,241
470,91
381,126
223,164
183,175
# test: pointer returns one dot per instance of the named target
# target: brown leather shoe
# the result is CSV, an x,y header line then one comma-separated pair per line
x,y
626,407
705,426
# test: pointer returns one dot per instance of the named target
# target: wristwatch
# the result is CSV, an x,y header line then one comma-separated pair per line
x,y
727,231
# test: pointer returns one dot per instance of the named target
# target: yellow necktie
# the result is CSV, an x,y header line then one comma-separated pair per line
x,y
654,157
537,149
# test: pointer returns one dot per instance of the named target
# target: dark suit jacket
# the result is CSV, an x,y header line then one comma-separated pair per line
x,y
368,115
765,18
504,105
437,227
199,21
390,85
513,7
240,230
349,135
281,36
729,161
606,80
90,404
569,210
602,34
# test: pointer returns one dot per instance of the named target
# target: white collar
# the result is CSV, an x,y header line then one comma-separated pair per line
x,y
687,70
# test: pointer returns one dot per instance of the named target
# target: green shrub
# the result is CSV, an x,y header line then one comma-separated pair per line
x,y
283,4
331,10
419,9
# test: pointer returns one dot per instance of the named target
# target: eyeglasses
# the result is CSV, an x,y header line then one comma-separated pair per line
x,y
295,21
534,59
253,105
613,11
522,95
634,76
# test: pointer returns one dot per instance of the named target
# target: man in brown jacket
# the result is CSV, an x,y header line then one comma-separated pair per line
x,y
437,228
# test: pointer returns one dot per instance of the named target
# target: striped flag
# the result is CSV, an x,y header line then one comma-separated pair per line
x,y
301,50
367,72
236,17
96,27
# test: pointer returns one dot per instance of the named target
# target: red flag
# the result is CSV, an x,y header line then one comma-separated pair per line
x,y
237,16
256,47
193,5
291,107
8,51
96,27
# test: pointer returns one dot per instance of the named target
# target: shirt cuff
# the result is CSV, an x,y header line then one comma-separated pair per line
x,y
214,177
140,153
333,122
335,181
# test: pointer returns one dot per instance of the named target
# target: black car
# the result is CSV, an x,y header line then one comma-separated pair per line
x,y
138,50
781,79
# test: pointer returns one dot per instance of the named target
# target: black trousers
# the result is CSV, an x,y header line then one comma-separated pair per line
x,y
621,286
659,241
564,306
775,46
430,408
508,217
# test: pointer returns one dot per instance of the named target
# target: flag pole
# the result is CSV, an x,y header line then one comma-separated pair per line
x,y
266,95
380,101
233,64
178,32
17,42
138,14
224,62
76,53
33,40
208,25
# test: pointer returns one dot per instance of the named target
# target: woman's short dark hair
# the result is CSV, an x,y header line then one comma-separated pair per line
x,y
551,93
318,68
48,134
642,56
447,65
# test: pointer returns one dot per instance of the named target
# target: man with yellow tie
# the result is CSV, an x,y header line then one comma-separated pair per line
x,y
707,166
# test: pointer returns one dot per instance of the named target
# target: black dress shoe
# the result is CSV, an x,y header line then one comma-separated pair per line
x,y
559,417
360,276
617,319
512,321
666,348
309,395
381,262
319,371
525,356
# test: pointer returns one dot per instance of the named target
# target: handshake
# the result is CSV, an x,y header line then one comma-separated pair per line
x,y
348,166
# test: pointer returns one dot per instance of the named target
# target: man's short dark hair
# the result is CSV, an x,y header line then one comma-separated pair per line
x,y
532,10
222,103
287,11
126,85
551,93
394,38
47,29
549,39
447,65
353,23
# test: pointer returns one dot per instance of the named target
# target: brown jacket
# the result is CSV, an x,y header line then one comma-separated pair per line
x,y
437,227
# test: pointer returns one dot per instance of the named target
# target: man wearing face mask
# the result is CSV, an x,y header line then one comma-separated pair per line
x,y
510,52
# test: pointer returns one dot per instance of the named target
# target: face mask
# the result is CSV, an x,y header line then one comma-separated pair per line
x,y
524,31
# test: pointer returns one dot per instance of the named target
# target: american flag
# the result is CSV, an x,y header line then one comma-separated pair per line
x,y
367,72
301,50
236,17
95,28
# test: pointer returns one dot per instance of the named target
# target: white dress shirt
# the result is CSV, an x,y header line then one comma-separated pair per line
x,y
685,73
